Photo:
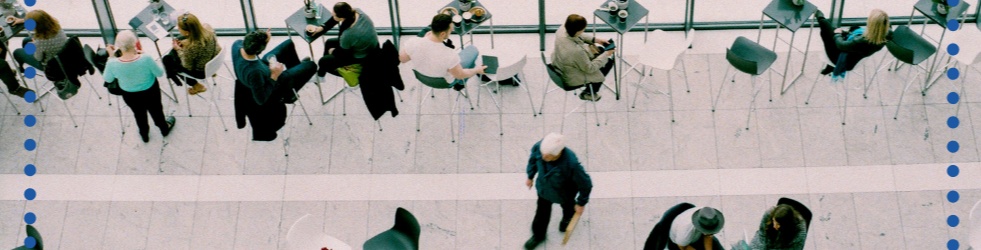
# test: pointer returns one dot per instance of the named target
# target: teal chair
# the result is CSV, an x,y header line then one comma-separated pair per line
x,y
751,58
910,48
438,83
556,77
403,236
32,232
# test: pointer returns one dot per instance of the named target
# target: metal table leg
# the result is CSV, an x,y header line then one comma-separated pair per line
x,y
173,93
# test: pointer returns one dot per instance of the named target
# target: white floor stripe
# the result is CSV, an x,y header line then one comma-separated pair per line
x,y
380,187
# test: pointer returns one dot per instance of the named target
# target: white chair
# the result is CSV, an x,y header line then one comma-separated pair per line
x,y
307,234
662,53
210,72
512,72
969,55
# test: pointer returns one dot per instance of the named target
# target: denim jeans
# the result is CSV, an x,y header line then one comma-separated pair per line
x,y
468,60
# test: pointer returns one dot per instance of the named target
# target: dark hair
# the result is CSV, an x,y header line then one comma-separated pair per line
x,y
441,23
343,10
789,219
574,23
255,42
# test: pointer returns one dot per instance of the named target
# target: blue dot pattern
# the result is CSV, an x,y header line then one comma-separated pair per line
x,y
953,122
30,120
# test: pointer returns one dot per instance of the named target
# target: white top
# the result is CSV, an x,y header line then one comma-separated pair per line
x,y
430,58
682,230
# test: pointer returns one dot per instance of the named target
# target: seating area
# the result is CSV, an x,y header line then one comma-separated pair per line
x,y
716,120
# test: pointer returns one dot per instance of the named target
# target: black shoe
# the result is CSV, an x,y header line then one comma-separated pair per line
x,y
146,137
818,14
827,70
459,87
563,225
484,78
265,138
170,126
290,99
533,242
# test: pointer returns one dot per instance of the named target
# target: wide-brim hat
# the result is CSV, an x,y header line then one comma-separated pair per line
x,y
708,220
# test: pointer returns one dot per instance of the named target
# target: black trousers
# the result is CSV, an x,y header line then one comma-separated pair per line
x,y
828,38
173,65
297,73
7,75
21,56
598,85
543,214
330,63
143,102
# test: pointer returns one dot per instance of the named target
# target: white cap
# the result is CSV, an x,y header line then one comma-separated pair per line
x,y
552,144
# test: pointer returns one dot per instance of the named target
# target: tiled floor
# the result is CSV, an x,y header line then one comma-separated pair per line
x,y
875,183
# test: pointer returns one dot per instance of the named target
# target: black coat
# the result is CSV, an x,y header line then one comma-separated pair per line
x,y
73,57
379,74
266,119
854,50
658,239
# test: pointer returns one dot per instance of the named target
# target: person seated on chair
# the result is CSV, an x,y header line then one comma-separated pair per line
x,y
695,229
578,59
137,76
357,37
781,228
193,49
48,37
272,83
846,47
8,76
560,178
432,58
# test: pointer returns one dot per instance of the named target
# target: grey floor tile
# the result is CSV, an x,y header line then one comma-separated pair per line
x,y
909,136
293,211
480,144
438,222
59,144
351,146
394,149
937,122
523,133
171,225
780,138
880,224
85,224
346,221
266,158
51,222
743,214
13,156
834,224
516,225
436,154
183,151
225,151
12,223
479,224
215,225
823,136
257,224
137,157
311,145
651,144
128,225
606,147
922,216
866,138
647,212
100,146
609,226
695,146
962,209
737,147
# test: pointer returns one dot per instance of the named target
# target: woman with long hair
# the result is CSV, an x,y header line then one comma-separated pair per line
x,y
782,228
196,46
48,38
845,48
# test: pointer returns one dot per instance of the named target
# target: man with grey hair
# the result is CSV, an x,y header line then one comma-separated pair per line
x,y
560,178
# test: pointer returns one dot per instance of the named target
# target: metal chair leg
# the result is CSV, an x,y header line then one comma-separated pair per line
x,y
595,110
119,109
906,88
7,95
70,115
719,95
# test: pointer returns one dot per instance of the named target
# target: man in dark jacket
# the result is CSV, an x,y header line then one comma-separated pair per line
x,y
560,178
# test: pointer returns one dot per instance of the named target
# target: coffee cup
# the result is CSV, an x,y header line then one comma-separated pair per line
x,y
623,15
612,6
467,16
457,19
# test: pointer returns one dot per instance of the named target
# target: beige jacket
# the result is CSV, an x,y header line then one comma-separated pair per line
x,y
573,57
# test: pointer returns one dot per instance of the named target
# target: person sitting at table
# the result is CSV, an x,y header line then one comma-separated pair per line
x,y
8,76
432,58
196,45
577,57
357,37
846,48
137,77
272,84
48,39
782,228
